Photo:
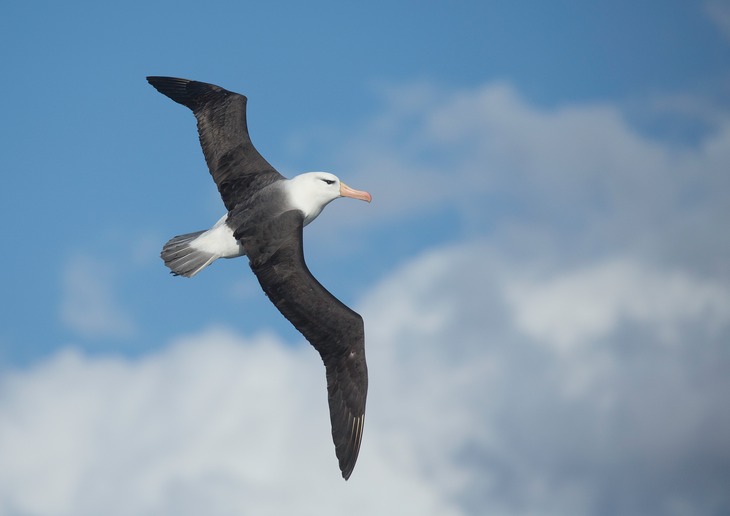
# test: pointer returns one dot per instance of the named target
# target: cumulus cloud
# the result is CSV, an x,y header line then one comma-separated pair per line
x,y
584,304
89,306
467,412
215,424
616,423
579,173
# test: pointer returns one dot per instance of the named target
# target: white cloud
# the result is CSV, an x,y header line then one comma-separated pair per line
x,y
520,426
89,306
575,173
215,424
465,414
585,304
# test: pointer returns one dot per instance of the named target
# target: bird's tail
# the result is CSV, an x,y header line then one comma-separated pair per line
x,y
184,259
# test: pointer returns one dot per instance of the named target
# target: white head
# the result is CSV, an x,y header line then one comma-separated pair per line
x,y
312,191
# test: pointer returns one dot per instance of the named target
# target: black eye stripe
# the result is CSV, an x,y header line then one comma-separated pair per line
x,y
329,181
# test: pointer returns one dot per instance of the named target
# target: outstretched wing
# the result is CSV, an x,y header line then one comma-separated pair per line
x,y
276,257
236,166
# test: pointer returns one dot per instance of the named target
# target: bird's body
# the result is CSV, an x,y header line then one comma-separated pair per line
x,y
188,254
265,217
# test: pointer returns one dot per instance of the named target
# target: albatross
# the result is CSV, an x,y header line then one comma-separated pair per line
x,y
266,214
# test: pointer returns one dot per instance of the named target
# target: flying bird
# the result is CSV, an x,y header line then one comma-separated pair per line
x,y
266,214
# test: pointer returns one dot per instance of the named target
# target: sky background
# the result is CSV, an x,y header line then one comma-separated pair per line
x,y
544,270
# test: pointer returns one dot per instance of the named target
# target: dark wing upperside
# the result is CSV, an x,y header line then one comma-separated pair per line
x,y
236,166
276,257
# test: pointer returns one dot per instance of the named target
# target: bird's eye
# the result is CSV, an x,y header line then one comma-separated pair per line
x,y
329,181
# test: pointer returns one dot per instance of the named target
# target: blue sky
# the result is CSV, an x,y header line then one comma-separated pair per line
x,y
99,160
550,195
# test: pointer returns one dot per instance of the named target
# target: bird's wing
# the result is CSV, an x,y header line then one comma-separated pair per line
x,y
236,166
276,255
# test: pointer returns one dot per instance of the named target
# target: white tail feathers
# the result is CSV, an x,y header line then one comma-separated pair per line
x,y
183,259
188,254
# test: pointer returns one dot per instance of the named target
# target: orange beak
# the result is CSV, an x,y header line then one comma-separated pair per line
x,y
346,191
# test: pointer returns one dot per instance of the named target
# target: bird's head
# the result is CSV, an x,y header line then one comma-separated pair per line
x,y
312,191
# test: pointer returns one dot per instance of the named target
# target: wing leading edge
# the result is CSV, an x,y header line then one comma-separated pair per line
x,y
236,166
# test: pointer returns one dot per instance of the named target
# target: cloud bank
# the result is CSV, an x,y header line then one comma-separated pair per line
x,y
474,406
575,174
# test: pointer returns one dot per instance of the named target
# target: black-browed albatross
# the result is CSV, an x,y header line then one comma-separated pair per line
x,y
265,218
